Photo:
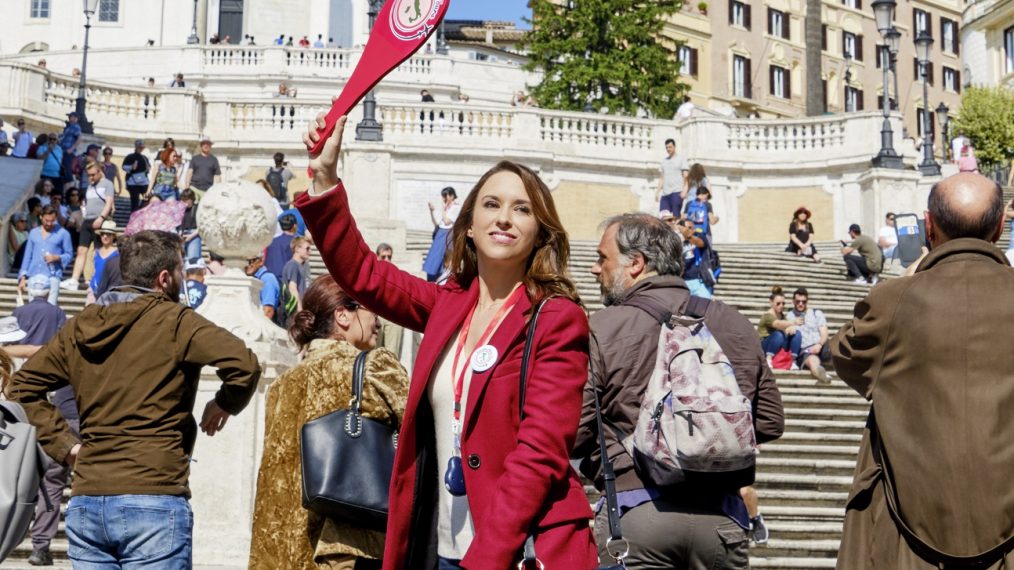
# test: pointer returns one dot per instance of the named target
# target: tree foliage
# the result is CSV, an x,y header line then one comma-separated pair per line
x,y
606,54
987,118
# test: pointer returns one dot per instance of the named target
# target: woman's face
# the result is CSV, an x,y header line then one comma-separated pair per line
x,y
448,198
173,159
47,187
504,228
72,198
108,239
778,303
802,217
357,326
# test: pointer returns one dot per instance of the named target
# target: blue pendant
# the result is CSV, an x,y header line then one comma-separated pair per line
x,y
454,477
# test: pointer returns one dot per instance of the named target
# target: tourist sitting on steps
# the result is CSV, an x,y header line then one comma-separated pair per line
x,y
801,235
812,333
776,331
863,257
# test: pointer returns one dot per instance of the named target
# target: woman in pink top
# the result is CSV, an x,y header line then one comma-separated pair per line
x,y
967,162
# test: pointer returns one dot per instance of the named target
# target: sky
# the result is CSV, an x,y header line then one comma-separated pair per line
x,y
511,10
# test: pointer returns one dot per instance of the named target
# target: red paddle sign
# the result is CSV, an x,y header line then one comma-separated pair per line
x,y
401,28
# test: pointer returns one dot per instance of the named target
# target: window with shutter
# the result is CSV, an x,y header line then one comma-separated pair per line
x,y
747,14
823,37
859,47
732,12
860,99
785,27
823,89
957,80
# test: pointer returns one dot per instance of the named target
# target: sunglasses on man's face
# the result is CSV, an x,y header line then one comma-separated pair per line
x,y
800,301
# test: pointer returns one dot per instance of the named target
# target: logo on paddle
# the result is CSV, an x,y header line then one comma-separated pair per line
x,y
414,19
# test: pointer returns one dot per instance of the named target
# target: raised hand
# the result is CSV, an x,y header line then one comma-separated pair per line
x,y
324,165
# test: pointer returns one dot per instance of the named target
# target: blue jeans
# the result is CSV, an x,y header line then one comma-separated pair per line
x,y
698,289
54,290
193,249
774,342
128,532
448,564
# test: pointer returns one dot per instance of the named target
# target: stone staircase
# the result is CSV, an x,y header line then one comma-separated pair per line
x,y
803,478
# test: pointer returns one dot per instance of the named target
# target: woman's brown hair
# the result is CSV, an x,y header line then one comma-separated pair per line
x,y
546,274
695,175
322,298
165,155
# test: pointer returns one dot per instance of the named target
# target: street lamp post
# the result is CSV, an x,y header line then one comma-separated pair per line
x,y
944,119
893,38
193,39
928,166
369,129
86,127
441,39
883,11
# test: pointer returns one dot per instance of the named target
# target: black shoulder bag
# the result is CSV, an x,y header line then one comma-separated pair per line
x,y
347,462
529,560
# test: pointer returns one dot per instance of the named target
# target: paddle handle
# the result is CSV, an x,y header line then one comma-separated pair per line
x,y
396,35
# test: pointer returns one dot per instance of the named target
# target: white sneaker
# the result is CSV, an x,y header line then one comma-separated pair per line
x,y
862,281
69,284
794,366
821,375
876,279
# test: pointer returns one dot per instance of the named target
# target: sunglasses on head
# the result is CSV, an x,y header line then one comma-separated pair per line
x,y
352,306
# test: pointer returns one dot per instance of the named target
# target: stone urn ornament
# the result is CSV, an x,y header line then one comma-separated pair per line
x,y
237,220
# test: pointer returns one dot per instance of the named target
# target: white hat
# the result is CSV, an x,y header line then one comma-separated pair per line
x,y
10,332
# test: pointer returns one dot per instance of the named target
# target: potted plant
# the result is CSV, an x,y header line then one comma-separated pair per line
x,y
702,7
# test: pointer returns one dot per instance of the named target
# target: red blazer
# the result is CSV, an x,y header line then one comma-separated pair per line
x,y
518,474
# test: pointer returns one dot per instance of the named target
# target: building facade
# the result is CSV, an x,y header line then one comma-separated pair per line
x,y
987,37
748,57
55,25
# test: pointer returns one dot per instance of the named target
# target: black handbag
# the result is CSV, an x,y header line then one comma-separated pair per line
x,y
347,462
529,560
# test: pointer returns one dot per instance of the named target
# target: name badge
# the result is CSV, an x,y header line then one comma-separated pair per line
x,y
484,358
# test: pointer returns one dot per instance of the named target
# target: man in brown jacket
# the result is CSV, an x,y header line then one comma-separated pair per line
x,y
640,259
134,360
935,477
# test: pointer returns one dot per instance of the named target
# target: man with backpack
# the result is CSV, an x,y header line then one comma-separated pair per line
x,y
278,177
675,513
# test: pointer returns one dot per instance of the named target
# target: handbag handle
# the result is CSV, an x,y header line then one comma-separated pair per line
x,y
353,421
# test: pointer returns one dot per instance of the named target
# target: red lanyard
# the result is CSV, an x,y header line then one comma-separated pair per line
x,y
463,335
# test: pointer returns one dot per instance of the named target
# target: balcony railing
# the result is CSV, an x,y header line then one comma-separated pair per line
x,y
124,113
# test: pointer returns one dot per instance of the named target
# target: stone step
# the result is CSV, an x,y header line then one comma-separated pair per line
x,y
761,559
804,482
806,466
805,505
816,438
824,401
790,451
824,426
803,530
816,548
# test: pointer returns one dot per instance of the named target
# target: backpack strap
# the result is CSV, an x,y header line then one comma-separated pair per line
x,y
697,307
940,559
658,311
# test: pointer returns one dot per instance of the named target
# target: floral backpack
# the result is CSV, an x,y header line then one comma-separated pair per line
x,y
695,426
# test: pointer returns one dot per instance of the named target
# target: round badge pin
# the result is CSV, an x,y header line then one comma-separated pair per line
x,y
484,358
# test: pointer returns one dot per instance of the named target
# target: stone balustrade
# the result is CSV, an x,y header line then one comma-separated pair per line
x,y
270,123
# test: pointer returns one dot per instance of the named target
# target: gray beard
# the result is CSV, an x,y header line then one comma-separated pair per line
x,y
613,294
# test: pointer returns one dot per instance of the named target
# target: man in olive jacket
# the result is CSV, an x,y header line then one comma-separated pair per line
x,y
935,477
640,261
134,360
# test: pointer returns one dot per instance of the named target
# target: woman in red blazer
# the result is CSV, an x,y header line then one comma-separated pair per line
x,y
471,479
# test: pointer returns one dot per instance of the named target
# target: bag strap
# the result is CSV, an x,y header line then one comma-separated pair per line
x,y
526,357
353,420
925,549
528,557
608,479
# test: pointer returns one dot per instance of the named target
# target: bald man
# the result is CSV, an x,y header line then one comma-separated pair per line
x,y
932,352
